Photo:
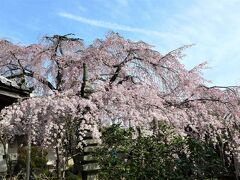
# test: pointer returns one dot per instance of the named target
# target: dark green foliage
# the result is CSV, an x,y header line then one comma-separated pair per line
x,y
38,160
70,175
164,155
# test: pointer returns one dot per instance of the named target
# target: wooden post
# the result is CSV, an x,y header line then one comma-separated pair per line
x,y
29,155
84,80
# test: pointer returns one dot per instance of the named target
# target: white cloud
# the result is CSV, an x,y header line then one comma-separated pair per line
x,y
114,26
214,26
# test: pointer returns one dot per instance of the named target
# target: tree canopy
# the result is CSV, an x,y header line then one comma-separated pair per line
x,y
113,80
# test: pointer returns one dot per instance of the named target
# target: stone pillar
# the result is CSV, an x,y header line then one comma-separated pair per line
x,y
90,166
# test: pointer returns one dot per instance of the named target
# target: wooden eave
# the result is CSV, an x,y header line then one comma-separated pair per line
x,y
10,92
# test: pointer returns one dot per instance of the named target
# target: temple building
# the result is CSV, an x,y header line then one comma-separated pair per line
x,y
10,93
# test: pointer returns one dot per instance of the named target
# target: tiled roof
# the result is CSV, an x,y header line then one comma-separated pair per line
x,y
10,83
10,92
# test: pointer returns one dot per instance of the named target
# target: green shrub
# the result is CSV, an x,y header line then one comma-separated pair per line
x,y
71,176
164,155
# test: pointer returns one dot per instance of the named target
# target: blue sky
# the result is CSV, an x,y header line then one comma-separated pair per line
x,y
213,25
